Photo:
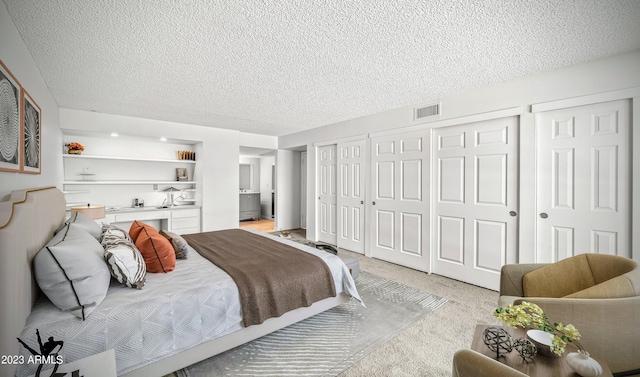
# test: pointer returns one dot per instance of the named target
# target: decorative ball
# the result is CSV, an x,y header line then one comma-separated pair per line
x,y
498,340
525,348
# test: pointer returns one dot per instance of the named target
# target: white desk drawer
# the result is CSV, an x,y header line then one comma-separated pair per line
x,y
191,222
181,213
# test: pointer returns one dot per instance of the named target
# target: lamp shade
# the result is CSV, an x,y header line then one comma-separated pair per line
x,y
92,212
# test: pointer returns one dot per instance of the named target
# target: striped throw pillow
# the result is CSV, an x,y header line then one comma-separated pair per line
x,y
124,260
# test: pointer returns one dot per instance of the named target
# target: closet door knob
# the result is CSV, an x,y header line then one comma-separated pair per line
x,y
513,213
362,202
544,215
374,203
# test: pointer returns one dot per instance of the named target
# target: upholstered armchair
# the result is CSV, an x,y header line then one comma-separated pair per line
x,y
599,294
469,363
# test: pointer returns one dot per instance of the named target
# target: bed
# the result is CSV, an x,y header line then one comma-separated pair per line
x,y
188,315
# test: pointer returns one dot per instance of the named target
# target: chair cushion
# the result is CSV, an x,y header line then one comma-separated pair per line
x,y
559,279
582,276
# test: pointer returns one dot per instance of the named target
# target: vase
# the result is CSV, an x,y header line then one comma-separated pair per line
x,y
75,151
584,365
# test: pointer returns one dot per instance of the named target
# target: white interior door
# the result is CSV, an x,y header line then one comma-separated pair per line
x,y
350,200
583,173
399,215
327,197
476,203
303,190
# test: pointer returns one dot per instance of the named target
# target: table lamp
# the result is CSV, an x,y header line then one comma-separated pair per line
x,y
92,212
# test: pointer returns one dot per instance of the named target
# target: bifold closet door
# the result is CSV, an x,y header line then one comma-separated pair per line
x,y
327,227
583,181
351,195
476,200
399,215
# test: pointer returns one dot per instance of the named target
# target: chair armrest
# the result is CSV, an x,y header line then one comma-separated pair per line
x,y
609,327
511,278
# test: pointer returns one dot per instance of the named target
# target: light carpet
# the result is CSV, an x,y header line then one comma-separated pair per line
x,y
330,342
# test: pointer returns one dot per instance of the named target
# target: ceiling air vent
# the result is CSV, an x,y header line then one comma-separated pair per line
x,y
427,111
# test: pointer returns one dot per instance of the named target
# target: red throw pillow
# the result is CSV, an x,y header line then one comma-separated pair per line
x,y
135,229
157,251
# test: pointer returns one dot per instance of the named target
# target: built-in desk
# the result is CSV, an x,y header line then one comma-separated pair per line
x,y
177,219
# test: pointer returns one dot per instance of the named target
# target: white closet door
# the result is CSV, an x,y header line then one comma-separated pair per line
x,y
583,189
399,215
476,203
351,190
327,194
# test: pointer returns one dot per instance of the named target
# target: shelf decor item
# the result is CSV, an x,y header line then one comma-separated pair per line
x,y
182,174
74,148
10,122
531,315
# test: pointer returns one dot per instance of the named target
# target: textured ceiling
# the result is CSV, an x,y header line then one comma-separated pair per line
x,y
276,67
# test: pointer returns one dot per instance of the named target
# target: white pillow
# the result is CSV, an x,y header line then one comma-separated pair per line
x,y
71,271
124,260
87,224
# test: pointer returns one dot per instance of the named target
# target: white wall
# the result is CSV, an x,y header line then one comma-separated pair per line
x,y
217,159
611,74
17,58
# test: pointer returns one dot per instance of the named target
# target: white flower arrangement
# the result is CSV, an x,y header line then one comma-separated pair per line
x,y
529,314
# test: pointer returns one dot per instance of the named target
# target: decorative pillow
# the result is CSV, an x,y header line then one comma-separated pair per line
x,y
124,260
86,223
71,271
180,246
135,229
157,251
112,230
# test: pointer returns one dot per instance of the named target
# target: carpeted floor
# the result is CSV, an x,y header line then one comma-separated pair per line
x,y
328,343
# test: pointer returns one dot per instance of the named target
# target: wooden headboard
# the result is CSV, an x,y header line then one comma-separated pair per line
x,y
28,219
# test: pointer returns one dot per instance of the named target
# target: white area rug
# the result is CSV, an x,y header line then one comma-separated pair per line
x,y
330,342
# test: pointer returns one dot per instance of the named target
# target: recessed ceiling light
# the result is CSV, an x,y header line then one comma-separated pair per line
x,y
114,134
163,139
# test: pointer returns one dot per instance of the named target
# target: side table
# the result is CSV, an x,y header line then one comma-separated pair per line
x,y
542,366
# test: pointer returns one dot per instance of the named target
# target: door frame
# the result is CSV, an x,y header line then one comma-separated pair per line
x,y
632,94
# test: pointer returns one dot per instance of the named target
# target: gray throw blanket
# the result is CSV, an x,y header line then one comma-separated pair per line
x,y
273,278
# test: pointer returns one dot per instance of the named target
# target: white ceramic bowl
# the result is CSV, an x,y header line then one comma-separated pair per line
x,y
542,340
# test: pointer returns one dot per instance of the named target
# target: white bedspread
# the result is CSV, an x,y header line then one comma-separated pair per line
x,y
195,303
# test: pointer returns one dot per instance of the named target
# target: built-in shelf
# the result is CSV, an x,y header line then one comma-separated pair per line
x,y
129,183
85,156
69,192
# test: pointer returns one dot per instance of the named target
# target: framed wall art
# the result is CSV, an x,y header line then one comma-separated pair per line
x,y
10,121
31,135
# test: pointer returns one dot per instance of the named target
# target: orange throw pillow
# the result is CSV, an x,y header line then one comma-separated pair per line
x,y
157,251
